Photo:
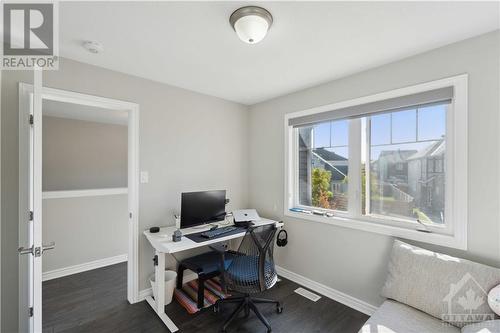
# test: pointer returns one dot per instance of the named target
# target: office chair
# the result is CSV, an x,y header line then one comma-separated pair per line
x,y
250,271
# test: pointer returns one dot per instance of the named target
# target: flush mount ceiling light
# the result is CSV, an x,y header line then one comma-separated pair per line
x,y
251,23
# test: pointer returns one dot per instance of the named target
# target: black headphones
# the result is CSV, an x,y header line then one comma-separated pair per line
x,y
282,238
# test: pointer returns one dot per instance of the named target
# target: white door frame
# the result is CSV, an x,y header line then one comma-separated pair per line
x,y
30,237
26,90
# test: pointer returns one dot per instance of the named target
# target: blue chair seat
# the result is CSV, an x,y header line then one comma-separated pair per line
x,y
244,270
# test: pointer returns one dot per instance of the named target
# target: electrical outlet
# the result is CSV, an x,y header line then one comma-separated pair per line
x,y
144,177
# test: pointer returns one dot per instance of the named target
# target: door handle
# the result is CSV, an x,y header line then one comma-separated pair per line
x,y
51,246
36,251
24,250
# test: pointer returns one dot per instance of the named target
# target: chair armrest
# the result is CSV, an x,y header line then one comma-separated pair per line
x,y
221,249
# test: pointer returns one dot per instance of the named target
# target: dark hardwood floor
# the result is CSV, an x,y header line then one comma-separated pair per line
x,y
96,301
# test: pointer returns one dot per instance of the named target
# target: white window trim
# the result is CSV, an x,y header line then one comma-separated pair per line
x,y
454,235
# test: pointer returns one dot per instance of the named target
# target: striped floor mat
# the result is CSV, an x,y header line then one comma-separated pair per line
x,y
187,297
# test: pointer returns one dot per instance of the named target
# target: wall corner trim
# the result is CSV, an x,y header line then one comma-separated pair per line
x,y
144,293
84,193
331,293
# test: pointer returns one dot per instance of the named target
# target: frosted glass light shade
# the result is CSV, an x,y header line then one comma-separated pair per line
x,y
251,29
251,23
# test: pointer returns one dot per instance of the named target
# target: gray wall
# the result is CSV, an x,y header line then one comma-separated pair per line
x,y
352,261
84,229
188,141
81,154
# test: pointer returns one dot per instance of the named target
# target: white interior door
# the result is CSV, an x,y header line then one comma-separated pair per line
x,y
30,209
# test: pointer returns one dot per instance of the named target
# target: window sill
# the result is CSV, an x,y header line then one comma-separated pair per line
x,y
452,241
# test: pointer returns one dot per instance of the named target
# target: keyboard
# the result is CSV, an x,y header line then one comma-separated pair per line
x,y
217,232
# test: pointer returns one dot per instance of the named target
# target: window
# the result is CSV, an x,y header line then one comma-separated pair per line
x,y
323,165
398,185
387,163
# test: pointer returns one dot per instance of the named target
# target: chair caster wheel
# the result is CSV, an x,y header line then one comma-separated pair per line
x,y
269,330
279,308
216,308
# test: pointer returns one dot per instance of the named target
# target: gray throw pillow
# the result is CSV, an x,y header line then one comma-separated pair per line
x,y
452,289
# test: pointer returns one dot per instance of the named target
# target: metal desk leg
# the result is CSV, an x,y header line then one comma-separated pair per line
x,y
158,304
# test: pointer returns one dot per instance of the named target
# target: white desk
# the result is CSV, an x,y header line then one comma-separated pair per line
x,y
163,245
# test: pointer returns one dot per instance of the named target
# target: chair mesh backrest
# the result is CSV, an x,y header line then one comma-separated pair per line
x,y
252,268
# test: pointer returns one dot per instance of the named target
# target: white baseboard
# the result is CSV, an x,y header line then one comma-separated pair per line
x,y
326,291
144,293
188,276
57,273
336,295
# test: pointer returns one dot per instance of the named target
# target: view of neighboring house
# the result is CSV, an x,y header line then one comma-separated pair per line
x,y
392,166
326,159
338,167
305,167
336,164
410,183
426,170
389,193
406,183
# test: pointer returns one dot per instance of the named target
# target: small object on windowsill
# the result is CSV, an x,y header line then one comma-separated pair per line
x,y
329,214
318,212
154,230
422,227
300,210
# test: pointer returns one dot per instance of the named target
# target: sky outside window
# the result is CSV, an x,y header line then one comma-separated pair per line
x,y
404,126
340,133
381,129
322,135
431,125
431,122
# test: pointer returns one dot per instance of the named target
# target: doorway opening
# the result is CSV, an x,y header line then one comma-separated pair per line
x,y
77,185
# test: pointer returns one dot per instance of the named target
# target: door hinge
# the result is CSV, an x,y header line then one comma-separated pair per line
x,y
31,215
32,119
30,311
130,214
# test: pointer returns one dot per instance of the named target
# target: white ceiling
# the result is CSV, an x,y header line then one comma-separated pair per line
x,y
191,44
58,109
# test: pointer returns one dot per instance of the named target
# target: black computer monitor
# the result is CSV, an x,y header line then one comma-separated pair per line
x,y
202,207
